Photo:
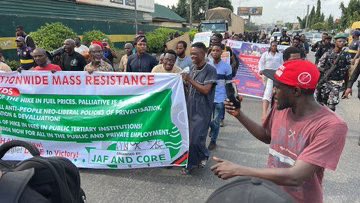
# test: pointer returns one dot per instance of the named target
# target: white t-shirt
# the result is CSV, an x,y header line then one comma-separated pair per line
x,y
270,61
82,49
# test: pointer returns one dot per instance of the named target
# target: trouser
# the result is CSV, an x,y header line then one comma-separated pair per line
x,y
329,93
219,109
268,90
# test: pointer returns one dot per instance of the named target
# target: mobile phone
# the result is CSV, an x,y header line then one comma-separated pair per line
x,y
232,94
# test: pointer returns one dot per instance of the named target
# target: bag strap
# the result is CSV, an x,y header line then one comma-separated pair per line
x,y
13,184
4,148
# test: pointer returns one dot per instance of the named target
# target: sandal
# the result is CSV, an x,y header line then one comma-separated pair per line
x,y
202,163
185,171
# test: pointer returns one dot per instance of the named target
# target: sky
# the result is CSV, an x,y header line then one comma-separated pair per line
x,y
280,10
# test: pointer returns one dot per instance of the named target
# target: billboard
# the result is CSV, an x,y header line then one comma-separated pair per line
x,y
254,11
142,5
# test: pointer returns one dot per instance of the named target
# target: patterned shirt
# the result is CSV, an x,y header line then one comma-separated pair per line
x,y
103,67
342,66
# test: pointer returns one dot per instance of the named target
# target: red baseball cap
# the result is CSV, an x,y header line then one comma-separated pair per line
x,y
296,73
98,43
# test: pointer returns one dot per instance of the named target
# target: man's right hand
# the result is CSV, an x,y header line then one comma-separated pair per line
x,y
347,92
230,108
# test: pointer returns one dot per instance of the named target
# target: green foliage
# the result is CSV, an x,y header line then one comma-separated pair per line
x,y
312,17
14,65
192,33
319,26
350,14
251,27
159,37
330,22
199,8
182,9
52,36
302,22
95,35
316,18
318,13
289,26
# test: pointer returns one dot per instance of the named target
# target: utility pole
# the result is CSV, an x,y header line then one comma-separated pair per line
x,y
307,17
190,19
136,16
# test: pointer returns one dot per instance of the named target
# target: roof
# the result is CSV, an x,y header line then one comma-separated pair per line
x,y
163,13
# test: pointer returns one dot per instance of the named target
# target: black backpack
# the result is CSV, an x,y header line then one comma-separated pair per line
x,y
250,190
56,179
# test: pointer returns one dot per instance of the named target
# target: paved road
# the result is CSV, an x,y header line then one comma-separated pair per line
x,y
235,144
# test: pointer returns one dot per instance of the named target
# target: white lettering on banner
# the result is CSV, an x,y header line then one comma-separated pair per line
x,y
84,117
108,157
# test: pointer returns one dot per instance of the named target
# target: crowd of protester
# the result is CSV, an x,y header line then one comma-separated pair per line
x,y
315,136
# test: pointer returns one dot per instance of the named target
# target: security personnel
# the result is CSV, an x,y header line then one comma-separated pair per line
x,y
284,39
329,90
354,47
24,53
322,47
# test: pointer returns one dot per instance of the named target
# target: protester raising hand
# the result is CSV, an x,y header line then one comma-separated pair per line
x,y
231,109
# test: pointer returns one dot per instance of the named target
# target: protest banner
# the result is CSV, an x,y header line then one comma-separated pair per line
x,y
99,120
249,81
203,37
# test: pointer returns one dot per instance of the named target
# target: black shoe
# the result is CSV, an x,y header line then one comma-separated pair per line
x,y
212,146
359,141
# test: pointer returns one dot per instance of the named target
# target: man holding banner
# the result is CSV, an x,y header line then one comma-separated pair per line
x,y
201,91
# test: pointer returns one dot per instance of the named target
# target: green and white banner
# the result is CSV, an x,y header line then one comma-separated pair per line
x,y
99,120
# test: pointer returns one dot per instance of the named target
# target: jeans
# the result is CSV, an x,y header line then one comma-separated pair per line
x,y
219,110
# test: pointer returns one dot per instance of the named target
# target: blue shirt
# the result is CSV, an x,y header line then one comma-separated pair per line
x,y
223,71
183,62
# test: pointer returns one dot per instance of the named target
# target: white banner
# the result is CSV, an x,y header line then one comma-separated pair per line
x,y
102,120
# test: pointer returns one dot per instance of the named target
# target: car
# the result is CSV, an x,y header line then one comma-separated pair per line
x,y
309,36
316,37
277,34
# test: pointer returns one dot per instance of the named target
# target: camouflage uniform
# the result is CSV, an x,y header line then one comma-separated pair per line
x,y
329,91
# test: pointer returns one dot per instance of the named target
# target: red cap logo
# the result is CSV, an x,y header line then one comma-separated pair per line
x,y
304,78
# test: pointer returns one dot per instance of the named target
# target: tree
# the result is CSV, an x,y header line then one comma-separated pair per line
x,y
182,9
322,18
302,22
221,3
330,22
349,14
289,26
318,13
199,8
312,17
96,35
319,26
52,36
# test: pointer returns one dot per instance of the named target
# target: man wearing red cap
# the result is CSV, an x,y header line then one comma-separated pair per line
x,y
305,138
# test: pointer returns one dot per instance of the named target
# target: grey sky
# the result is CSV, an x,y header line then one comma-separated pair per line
x,y
284,10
